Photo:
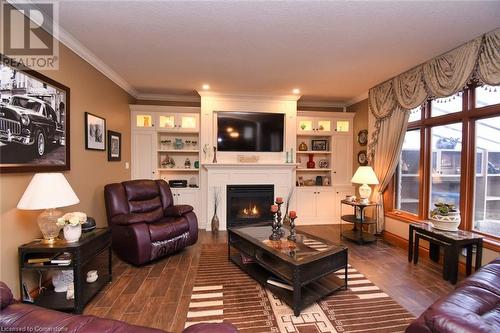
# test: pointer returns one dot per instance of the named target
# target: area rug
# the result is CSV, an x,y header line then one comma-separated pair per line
x,y
224,293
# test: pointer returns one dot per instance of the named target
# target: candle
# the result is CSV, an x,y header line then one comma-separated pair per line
x,y
292,214
274,208
279,200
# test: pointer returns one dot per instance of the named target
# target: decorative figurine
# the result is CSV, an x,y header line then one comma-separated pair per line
x,y
292,215
302,146
187,163
215,155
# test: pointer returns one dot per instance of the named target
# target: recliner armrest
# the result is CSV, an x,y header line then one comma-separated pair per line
x,y
177,210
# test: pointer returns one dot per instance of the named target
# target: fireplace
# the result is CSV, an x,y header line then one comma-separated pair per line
x,y
247,204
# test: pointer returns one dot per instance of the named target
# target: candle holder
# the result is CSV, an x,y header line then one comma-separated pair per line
x,y
275,236
279,220
293,235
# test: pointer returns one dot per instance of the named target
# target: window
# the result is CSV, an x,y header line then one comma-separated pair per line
x,y
408,174
451,154
487,176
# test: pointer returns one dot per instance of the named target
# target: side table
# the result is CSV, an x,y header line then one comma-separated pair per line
x,y
359,221
452,241
91,252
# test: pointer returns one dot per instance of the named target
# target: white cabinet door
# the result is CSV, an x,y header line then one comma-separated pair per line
x,y
143,155
326,203
314,125
187,122
343,126
166,121
342,160
306,203
144,121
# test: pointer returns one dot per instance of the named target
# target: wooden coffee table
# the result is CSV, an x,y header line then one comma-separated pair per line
x,y
306,265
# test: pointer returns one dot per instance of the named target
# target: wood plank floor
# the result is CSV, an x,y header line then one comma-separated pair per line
x,y
158,294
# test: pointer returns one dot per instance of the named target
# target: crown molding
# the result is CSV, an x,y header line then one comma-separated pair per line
x,y
77,47
168,97
321,104
357,99
240,95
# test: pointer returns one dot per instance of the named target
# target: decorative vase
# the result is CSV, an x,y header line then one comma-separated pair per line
x,y
448,222
72,233
62,280
178,144
311,164
302,146
215,223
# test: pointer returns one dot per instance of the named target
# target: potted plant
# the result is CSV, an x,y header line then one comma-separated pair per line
x,y
72,225
445,216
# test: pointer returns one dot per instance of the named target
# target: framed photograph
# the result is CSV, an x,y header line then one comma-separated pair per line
x,y
363,137
319,144
95,132
114,146
34,121
362,158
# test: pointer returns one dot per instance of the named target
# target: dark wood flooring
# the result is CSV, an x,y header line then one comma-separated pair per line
x,y
158,294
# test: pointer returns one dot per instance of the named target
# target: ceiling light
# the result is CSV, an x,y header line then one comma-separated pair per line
x,y
229,129
296,91
206,86
234,134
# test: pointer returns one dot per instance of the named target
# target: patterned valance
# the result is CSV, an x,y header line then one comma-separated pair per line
x,y
442,76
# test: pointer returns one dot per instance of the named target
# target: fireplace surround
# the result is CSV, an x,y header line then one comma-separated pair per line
x,y
248,204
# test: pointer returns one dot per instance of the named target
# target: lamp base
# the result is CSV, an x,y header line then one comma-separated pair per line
x,y
47,222
365,191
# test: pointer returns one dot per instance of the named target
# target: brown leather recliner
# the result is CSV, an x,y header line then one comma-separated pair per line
x,y
145,225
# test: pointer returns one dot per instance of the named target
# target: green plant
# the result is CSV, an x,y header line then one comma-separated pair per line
x,y
443,209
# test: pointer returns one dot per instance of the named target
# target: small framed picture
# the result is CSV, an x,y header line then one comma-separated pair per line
x,y
114,146
319,144
95,132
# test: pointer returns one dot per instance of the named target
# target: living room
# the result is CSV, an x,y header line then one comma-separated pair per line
x,y
250,166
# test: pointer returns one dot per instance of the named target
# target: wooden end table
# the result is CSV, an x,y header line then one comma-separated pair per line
x,y
359,221
91,252
452,241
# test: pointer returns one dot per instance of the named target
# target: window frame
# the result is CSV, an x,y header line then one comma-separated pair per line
x,y
468,116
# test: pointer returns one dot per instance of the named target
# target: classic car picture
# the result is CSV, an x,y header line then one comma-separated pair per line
x,y
34,122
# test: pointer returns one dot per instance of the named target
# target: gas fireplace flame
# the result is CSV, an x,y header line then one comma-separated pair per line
x,y
250,211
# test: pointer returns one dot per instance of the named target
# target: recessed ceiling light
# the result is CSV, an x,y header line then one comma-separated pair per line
x,y
296,91
205,87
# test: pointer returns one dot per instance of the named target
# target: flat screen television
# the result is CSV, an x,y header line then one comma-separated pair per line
x,y
250,131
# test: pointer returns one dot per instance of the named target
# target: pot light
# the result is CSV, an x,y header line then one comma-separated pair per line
x,y
296,91
206,86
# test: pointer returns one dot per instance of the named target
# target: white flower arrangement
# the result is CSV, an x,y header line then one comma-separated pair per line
x,y
73,219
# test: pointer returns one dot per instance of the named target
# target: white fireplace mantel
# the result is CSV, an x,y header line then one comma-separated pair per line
x,y
249,165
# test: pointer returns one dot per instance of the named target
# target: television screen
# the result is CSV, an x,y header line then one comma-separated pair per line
x,y
250,131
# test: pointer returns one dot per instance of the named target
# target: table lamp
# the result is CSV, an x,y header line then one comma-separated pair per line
x,y
365,176
48,191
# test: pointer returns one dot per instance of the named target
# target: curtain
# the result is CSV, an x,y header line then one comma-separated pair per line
x,y
389,102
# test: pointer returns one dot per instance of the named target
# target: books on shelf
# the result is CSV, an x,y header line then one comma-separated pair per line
x,y
47,259
40,258
279,283
62,259
246,259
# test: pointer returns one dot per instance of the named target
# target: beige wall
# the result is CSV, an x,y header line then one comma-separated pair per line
x,y
360,123
90,170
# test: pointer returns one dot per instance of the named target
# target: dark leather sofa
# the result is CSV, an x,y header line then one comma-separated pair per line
x,y
473,307
20,317
145,224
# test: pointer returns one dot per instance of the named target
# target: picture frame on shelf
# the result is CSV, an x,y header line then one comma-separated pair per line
x,y
114,146
95,132
319,145
35,112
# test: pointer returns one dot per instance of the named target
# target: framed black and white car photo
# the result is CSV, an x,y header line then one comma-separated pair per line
x,y
114,146
34,121
95,132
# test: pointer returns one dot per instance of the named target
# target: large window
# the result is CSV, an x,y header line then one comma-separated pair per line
x,y
449,142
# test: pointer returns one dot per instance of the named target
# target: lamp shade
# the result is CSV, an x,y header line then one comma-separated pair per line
x,y
48,190
365,175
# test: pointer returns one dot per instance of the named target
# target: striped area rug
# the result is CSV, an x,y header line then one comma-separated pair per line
x,y
222,292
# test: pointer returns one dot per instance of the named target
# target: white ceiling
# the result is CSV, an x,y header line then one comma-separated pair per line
x,y
333,51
